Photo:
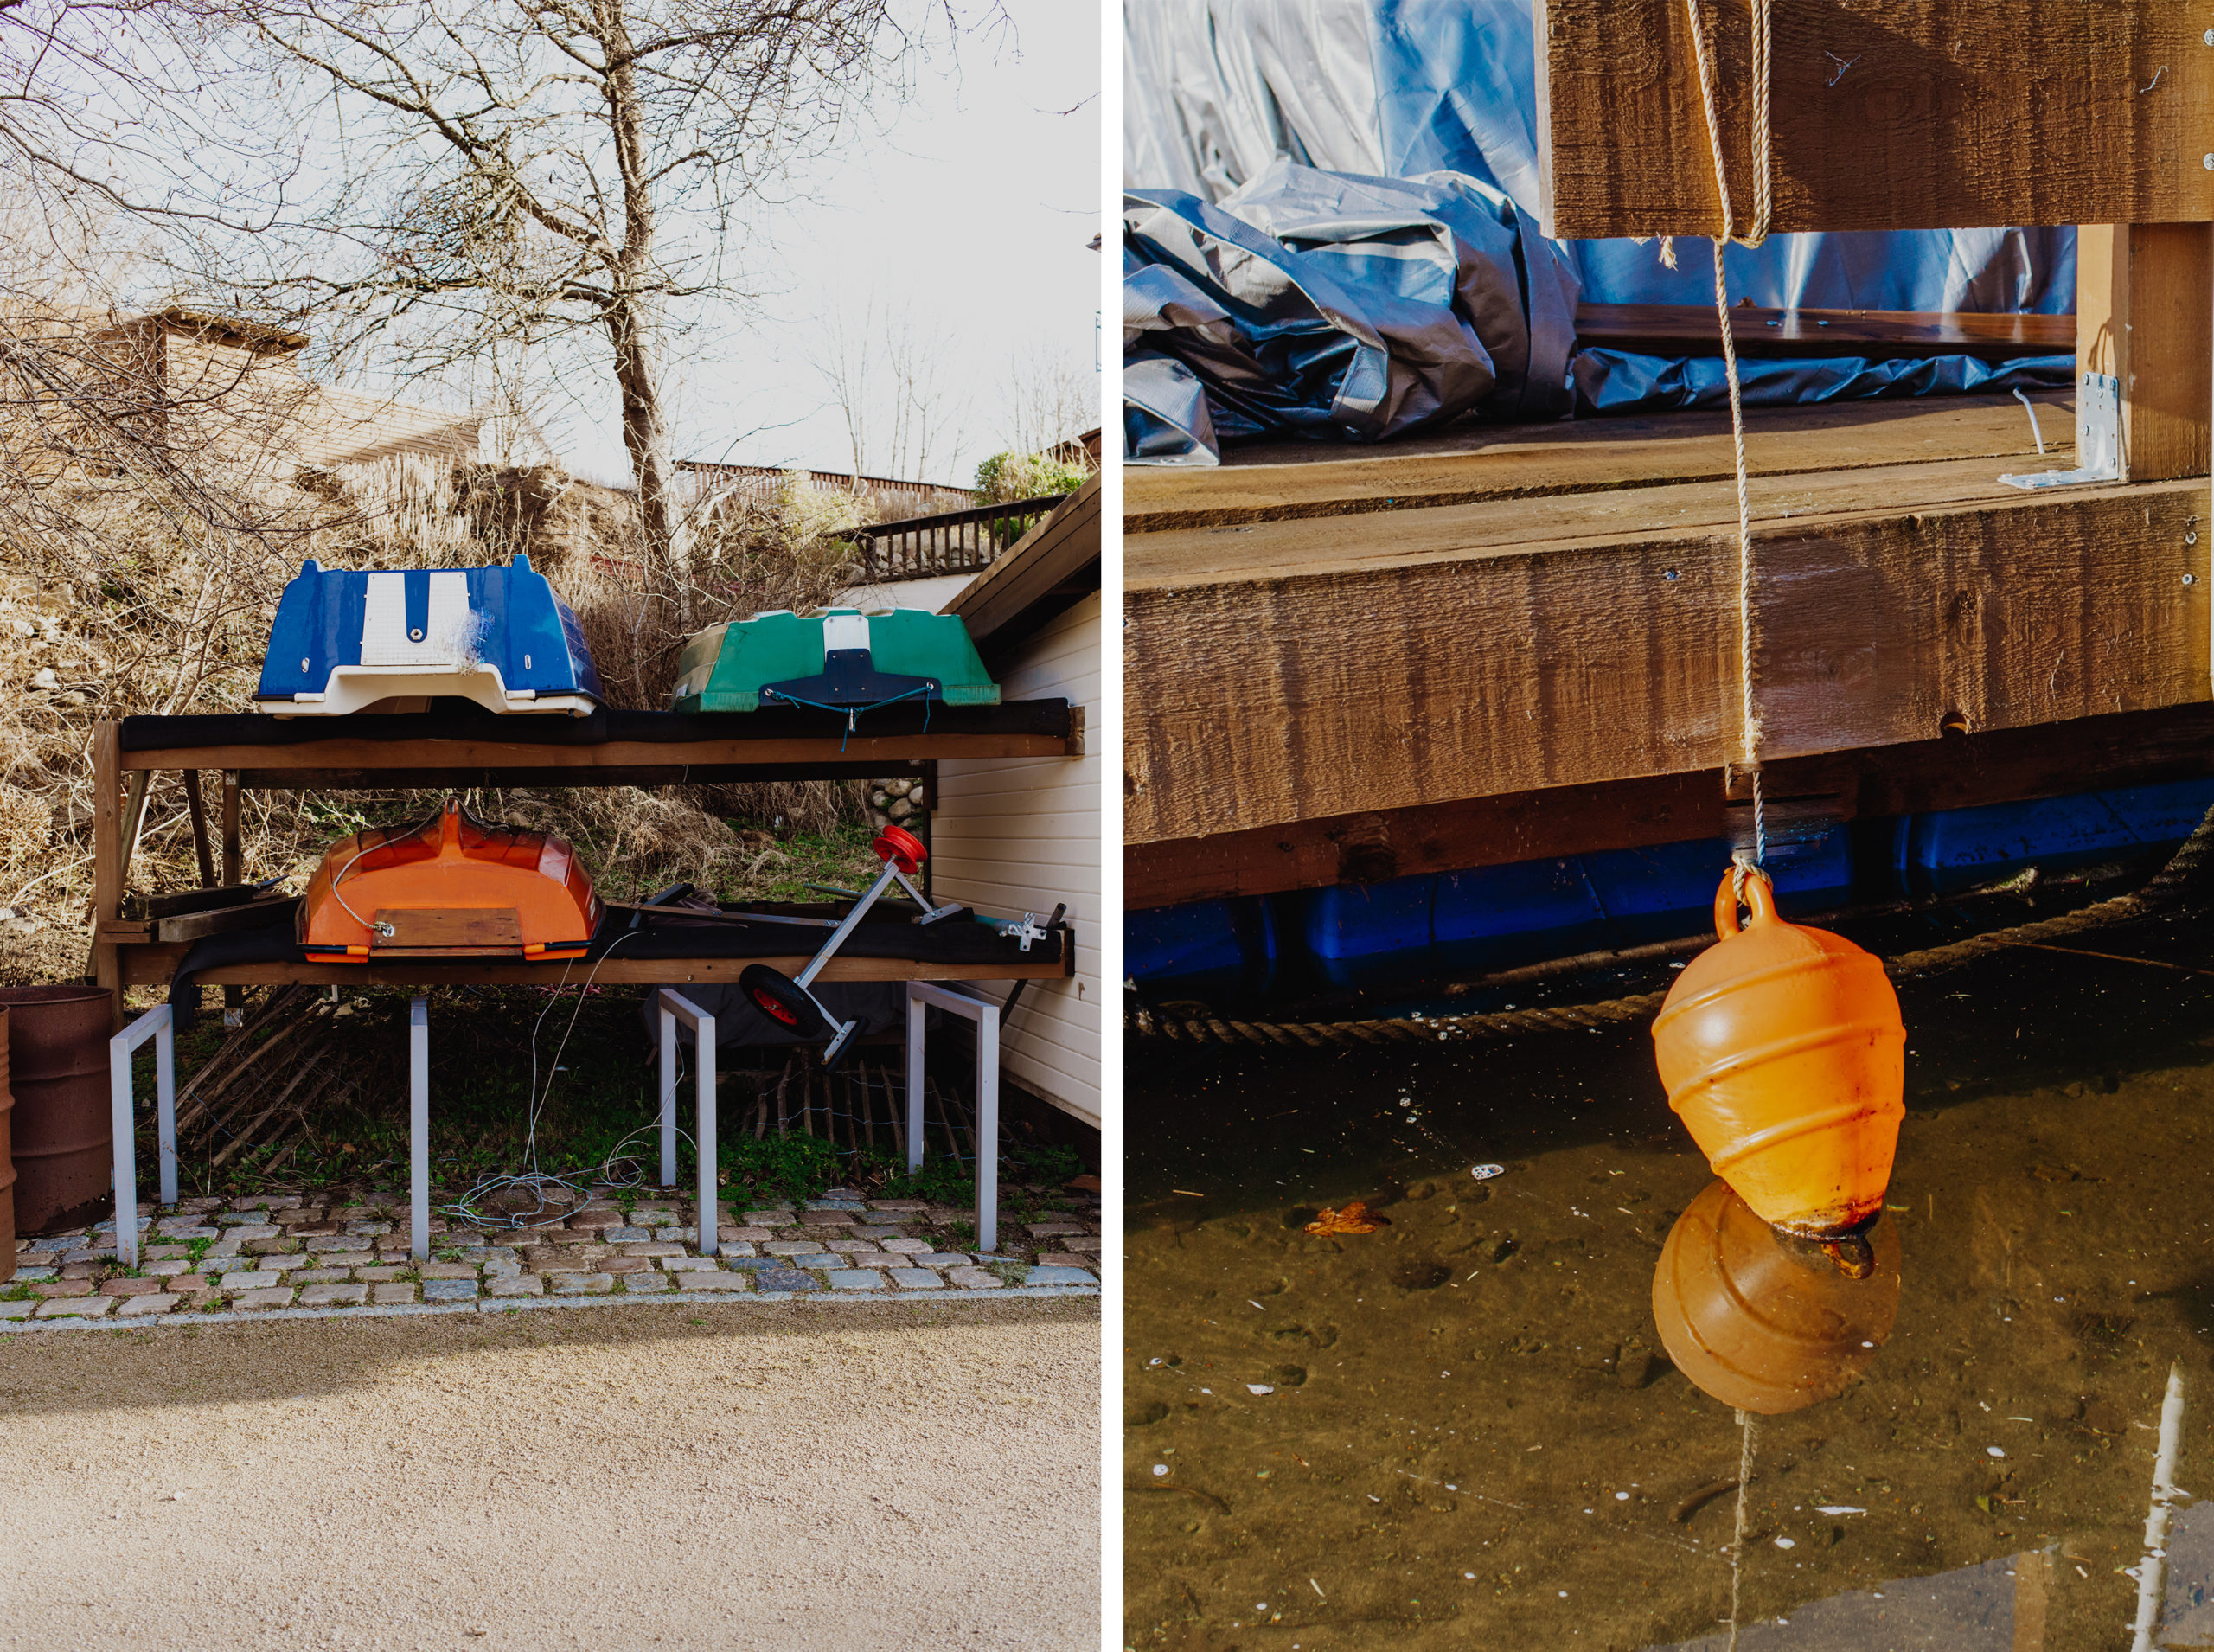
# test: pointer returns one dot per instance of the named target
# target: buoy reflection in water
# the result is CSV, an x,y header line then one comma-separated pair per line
x,y
1767,1322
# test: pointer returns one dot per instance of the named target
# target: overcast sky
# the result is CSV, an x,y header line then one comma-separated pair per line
x,y
973,209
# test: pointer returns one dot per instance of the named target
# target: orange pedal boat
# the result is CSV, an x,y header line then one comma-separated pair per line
x,y
448,886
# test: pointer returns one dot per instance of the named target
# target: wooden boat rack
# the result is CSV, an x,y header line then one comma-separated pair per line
x,y
797,745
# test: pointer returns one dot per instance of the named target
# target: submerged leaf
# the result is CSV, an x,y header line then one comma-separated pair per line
x,y
1354,1218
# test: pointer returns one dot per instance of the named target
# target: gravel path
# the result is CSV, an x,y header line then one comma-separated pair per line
x,y
831,1475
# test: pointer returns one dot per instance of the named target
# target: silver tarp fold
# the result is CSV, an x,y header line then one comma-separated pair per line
x,y
1342,307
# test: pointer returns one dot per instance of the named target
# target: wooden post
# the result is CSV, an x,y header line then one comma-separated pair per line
x,y
107,860
198,810
234,852
2145,313
234,863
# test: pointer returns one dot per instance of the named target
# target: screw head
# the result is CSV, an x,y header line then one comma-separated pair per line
x,y
415,633
2207,161
1672,576
304,665
2191,578
2209,37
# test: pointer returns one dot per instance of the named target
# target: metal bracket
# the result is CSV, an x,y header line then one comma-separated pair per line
x,y
1026,931
2098,437
930,915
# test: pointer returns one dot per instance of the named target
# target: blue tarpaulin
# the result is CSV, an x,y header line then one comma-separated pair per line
x,y
1243,105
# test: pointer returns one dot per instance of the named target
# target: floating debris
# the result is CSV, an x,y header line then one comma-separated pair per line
x,y
1354,1217
1486,1172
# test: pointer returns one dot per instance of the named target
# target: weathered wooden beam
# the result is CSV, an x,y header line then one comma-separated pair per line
x,y
153,963
2004,765
1469,464
2144,311
1336,665
1887,114
1880,335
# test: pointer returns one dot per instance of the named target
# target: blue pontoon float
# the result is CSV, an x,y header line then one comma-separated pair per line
x,y
346,642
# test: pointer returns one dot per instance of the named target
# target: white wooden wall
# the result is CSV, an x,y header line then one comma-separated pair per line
x,y
1011,837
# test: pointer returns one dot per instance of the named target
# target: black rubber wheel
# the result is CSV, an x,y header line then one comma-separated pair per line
x,y
782,1000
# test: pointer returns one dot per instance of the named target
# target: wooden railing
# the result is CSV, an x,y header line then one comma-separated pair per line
x,y
956,542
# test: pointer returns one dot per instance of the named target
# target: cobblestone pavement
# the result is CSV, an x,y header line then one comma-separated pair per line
x,y
291,1251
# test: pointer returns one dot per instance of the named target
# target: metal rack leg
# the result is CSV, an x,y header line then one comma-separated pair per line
x,y
418,1129
125,1173
988,1128
668,1094
914,1080
703,1051
158,1025
165,1107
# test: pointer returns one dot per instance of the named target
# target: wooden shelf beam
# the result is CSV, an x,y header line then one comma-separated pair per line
x,y
1333,664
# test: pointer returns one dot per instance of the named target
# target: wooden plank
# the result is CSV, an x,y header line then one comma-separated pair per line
x,y
258,914
2003,765
233,849
461,779
2145,304
579,764
1880,335
107,858
1283,482
153,964
1887,114
233,862
1336,665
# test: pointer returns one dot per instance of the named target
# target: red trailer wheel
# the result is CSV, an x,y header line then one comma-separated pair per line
x,y
902,847
782,999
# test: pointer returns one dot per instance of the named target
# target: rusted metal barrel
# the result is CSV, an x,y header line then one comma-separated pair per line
x,y
64,1136
7,1162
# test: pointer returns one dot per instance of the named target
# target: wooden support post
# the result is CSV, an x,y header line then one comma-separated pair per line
x,y
234,850
198,810
107,860
2145,314
234,863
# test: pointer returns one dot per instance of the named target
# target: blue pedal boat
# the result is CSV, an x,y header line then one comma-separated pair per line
x,y
345,642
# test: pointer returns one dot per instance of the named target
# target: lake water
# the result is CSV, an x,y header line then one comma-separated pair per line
x,y
1462,1430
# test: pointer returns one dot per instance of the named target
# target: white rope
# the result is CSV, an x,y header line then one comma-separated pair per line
x,y
1748,710
1738,1542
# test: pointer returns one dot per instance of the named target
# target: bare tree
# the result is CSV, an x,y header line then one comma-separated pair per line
x,y
546,171
1052,396
893,377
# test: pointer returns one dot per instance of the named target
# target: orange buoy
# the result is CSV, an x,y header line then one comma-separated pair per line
x,y
1769,1321
1782,1051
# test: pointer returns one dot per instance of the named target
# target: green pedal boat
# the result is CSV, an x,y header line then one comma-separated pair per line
x,y
838,658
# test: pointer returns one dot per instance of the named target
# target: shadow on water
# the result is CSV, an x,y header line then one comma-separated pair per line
x,y
1463,1428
